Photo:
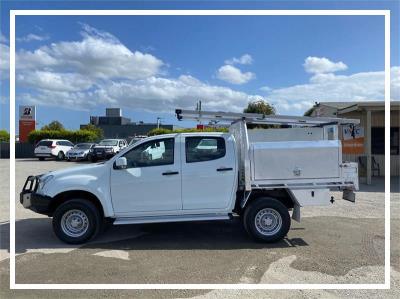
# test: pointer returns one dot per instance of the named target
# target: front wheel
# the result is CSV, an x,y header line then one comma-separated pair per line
x,y
266,220
76,221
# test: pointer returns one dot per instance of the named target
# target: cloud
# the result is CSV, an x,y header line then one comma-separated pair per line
x,y
231,74
318,65
244,59
98,55
32,37
3,39
54,81
364,86
4,58
151,94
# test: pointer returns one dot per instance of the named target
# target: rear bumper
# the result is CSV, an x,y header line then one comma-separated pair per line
x,y
44,155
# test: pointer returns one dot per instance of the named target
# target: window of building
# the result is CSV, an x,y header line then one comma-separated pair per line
x,y
199,149
378,141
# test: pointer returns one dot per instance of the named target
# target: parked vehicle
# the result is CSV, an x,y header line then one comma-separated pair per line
x,y
106,149
79,152
52,148
136,139
259,175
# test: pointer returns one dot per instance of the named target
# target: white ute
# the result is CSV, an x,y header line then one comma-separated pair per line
x,y
259,174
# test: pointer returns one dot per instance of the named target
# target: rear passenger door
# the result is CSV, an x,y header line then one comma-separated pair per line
x,y
208,172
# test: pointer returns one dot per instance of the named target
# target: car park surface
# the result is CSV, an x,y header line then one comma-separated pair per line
x,y
343,243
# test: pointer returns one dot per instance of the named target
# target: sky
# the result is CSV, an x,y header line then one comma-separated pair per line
x,y
72,67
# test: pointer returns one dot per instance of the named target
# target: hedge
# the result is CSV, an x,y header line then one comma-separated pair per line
x,y
73,136
4,136
162,131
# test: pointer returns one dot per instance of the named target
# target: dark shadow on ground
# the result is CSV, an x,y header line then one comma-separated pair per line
x,y
36,233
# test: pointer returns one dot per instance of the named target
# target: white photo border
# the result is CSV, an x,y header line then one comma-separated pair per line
x,y
385,13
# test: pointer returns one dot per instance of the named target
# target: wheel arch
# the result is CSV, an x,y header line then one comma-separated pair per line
x,y
75,194
281,195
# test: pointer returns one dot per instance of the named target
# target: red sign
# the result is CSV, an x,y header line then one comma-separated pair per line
x,y
25,127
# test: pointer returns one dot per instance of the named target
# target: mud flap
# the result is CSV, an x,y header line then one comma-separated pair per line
x,y
349,195
296,213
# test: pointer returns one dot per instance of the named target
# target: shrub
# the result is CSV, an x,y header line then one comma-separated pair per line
x,y
162,131
73,136
4,136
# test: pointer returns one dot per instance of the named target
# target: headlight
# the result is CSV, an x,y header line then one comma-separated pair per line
x,y
44,181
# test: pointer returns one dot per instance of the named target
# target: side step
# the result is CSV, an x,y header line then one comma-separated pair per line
x,y
170,218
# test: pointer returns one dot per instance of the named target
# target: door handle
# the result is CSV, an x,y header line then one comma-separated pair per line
x,y
170,173
224,169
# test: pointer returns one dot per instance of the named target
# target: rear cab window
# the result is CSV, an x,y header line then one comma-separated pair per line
x,y
204,148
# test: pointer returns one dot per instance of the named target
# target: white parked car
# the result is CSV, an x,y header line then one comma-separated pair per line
x,y
79,152
106,149
52,148
260,176
136,139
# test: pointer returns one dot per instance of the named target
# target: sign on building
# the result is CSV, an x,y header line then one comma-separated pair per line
x,y
353,139
27,121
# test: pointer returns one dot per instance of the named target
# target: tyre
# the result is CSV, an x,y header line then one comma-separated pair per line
x,y
266,220
41,159
76,221
60,156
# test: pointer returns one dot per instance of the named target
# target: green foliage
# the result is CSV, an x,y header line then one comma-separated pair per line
x,y
260,107
4,136
53,126
73,136
162,131
309,111
98,131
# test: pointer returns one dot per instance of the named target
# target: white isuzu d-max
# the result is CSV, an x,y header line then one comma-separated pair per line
x,y
259,175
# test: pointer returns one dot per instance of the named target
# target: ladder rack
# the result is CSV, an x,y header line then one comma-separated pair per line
x,y
255,118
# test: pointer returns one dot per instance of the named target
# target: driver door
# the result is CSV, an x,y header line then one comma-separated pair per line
x,y
152,180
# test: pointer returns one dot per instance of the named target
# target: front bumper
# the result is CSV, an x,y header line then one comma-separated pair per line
x,y
31,200
103,154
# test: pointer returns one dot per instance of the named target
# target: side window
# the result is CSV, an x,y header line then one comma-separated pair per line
x,y
152,153
200,149
58,143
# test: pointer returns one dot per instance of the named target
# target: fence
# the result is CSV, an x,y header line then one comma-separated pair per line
x,y
22,150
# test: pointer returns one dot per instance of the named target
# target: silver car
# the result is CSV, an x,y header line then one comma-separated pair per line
x,y
79,152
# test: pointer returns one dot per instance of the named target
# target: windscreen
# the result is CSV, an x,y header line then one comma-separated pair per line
x,y
45,143
83,145
110,142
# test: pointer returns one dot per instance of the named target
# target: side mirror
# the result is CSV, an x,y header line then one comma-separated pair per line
x,y
121,163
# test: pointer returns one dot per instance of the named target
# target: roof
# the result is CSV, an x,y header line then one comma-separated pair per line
x,y
372,105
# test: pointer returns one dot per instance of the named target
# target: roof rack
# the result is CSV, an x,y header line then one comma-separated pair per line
x,y
255,118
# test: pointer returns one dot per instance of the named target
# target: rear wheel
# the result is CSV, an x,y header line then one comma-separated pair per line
x,y
266,220
76,221
60,155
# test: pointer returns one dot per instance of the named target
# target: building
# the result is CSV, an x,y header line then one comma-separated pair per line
x,y
366,144
114,125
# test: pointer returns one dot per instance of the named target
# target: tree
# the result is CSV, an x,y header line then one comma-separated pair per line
x,y
261,107
4,136
53,126
98,131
